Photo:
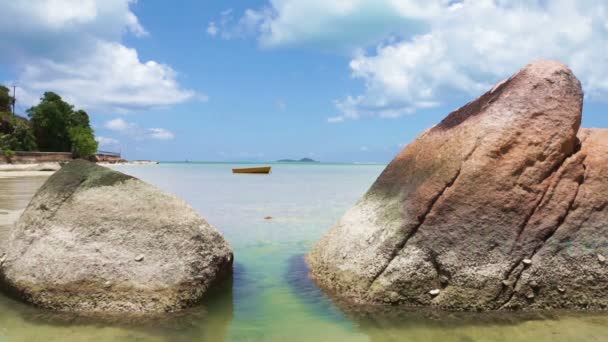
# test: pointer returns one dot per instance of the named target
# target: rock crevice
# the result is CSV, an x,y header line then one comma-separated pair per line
x,y
412,232
495,204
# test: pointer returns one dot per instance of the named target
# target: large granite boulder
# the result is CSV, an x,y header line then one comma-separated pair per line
x,y
501,205
96,240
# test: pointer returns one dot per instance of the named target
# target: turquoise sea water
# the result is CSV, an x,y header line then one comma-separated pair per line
x,y
270,297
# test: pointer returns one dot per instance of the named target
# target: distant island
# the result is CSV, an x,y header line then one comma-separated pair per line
x,y
303,160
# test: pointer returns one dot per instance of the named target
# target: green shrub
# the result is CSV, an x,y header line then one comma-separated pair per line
x,y
17,134
24,136
8,154
83,142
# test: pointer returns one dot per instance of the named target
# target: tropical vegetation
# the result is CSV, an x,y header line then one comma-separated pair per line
x,y
53,126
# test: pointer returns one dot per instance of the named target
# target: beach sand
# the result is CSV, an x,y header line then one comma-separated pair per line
x,y
16,190
9,169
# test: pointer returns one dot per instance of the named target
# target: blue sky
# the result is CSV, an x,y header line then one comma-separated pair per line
x,y
346,80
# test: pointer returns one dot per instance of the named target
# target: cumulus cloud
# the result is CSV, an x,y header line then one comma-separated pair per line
x,y
106,19
74,47
137,132
112,76
343,23
414,54
463,56
118,124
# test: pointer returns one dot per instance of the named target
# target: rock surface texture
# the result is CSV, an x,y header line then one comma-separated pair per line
x,y
96,240
502,205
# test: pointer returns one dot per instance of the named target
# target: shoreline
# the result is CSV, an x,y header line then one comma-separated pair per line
x,y
19,174
45,169
16,190
28,170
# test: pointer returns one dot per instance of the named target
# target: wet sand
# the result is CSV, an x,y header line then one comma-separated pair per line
x,y
16,190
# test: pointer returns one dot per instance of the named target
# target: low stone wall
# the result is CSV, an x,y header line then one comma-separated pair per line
x,y
107,158
37,157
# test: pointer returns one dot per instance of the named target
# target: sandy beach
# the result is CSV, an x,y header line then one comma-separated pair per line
x,y
16,190
12,170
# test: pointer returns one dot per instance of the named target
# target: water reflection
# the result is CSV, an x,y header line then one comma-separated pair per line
x,y
297,276
208,321
424,325
389,323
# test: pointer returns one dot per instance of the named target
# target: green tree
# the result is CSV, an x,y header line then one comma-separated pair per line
x,y
50,119
79,118
5,99
58,127
83,142
82,136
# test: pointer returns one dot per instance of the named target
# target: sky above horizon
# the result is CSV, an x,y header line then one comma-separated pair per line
x,y
261,80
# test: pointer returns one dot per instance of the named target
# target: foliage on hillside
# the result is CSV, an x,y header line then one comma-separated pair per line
x,y
54,126
5,100
15,132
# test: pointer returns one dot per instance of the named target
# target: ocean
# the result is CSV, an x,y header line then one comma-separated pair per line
x,y
270,297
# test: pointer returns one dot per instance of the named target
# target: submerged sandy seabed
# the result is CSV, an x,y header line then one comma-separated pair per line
x,y
272,298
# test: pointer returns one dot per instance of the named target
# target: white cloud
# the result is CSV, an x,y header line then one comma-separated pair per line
x,y
137,132
343,23
25,99
73,47
335,119
108,142
106,18
427,51
118,125
225,26
464,56
364,149
160,134
112,76
212,30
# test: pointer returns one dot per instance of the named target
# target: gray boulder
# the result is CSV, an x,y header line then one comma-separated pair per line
x,y
96,240
502,205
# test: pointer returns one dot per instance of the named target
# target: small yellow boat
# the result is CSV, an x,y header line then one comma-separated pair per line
x,y
260,170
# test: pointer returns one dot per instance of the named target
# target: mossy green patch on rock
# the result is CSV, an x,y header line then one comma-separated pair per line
x,y
82,173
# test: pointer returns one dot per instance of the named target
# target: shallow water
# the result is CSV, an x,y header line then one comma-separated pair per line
x,y
271,297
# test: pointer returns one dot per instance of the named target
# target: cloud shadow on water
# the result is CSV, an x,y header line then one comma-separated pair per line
x,y
208,320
